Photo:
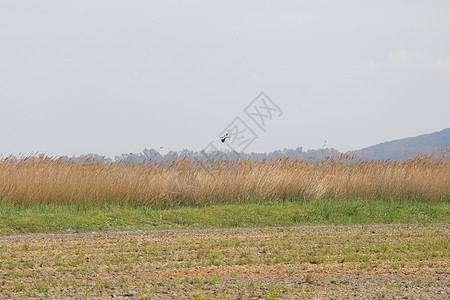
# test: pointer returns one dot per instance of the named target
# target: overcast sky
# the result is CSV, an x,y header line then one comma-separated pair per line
x,y
113,77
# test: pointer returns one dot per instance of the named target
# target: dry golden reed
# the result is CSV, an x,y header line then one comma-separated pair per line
x,y
184,182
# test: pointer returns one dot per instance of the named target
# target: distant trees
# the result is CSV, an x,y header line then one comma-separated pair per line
x,y
153,156
401,150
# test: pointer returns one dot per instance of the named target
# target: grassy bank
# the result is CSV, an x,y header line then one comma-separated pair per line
x,y
61,218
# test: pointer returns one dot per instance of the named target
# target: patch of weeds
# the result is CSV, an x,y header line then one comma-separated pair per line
x,y
313,258
18,287
99,287
212,281
245,261
222,296
28,264
25,247
42,288
191,280
125,285
200,295
309,279
368,266
251,286
26,273
156,288
274,292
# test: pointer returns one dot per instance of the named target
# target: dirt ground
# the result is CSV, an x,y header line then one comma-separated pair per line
x,y
322,262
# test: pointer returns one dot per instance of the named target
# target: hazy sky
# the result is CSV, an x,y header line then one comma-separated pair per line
x,y
113,77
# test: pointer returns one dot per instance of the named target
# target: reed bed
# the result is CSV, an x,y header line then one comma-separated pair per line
x,y
47,180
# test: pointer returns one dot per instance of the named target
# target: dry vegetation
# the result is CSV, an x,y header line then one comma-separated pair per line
x,y
184,182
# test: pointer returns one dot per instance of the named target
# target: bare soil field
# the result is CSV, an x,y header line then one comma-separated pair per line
x,y
323,262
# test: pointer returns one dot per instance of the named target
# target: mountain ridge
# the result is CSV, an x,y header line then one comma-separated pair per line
x,y
407,148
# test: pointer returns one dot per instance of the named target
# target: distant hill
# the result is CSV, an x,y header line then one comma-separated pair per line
x,y
408,147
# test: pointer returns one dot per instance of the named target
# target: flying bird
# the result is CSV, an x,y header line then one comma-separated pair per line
x,y
225,137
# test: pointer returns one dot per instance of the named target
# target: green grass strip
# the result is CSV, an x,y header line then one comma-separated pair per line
x,y
52,219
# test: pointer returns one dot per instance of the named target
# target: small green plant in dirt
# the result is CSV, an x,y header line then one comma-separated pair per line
x,y
41,288
200,295
274,292
314,257
309,279
18,287
212,281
